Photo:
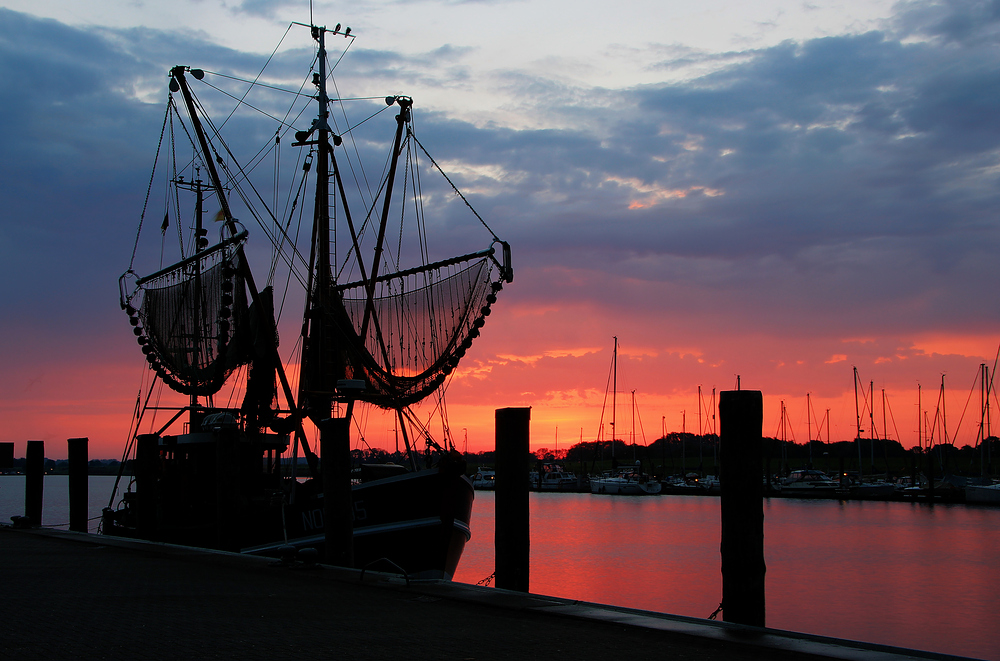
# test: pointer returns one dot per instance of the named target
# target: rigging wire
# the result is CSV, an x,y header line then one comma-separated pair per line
x,y
241,102
455,188
235,183
277,233
964,409
259,74
149,187
893,418
349,44
255,83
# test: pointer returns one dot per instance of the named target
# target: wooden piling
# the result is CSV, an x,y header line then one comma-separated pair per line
x,y
338,508
741,414
34,474
6,456
78,478
512,532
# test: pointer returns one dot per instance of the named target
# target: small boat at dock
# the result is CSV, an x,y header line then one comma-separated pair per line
x,y
809,483
485,479
983,494
553,477
626,482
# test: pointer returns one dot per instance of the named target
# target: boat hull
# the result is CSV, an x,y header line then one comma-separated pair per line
x,y
624,487
985,494
415,522
418,522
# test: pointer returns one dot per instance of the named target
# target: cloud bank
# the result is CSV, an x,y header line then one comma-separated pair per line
x,y
798,208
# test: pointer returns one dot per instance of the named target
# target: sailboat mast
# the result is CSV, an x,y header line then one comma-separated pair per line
x,y
614,393
944,412
920,424
857,420
871,416
984,424
632,433
809,433
699,415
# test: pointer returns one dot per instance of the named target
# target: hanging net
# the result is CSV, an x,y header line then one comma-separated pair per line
x,y
190,319
420,324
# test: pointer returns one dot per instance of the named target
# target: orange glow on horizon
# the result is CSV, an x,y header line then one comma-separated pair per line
x,y
560,369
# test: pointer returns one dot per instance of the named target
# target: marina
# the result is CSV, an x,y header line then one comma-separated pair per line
x,y
895,573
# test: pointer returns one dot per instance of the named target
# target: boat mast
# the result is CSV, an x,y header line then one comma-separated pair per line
x,y
633,426
871,417
267,323
809,434
701,458
857,421
989,431
984,416
614,392
200,243
920,423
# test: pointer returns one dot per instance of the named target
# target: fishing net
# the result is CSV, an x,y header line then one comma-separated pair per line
x,y
420,324
190,320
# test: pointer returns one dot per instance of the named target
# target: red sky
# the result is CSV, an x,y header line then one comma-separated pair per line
x,y
782,210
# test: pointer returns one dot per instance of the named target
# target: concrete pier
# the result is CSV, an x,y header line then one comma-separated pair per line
x,y
74,595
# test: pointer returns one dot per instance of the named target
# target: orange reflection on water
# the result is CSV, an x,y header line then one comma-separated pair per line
x,y
892,573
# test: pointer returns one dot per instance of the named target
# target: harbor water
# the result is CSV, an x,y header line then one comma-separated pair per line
x,y
906,574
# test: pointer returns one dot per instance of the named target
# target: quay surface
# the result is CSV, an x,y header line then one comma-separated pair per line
x,y
73,595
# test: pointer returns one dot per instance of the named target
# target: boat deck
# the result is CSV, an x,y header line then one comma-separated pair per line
x,y
71,595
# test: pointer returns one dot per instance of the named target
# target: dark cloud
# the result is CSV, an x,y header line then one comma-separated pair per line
x,y
823,185
968,22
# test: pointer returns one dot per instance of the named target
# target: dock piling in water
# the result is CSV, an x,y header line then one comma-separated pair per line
x,y
78,496
34,474
741,415
6,456
512,537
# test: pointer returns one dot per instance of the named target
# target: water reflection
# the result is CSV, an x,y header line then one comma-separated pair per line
x,y
893,573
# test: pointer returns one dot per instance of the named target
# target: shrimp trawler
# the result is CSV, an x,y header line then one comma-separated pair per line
x,y
387,316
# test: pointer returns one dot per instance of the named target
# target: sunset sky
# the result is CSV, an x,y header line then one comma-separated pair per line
x,y
776,190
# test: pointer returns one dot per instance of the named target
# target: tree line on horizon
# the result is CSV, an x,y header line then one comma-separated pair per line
x,y
678,451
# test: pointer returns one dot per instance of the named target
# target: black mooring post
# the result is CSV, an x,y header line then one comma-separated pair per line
x,y
34,474
512,537
78,478
741,416
338,509
147,485
6,456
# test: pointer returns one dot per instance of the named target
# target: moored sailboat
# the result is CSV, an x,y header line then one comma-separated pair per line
x,y
630,480
383,327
